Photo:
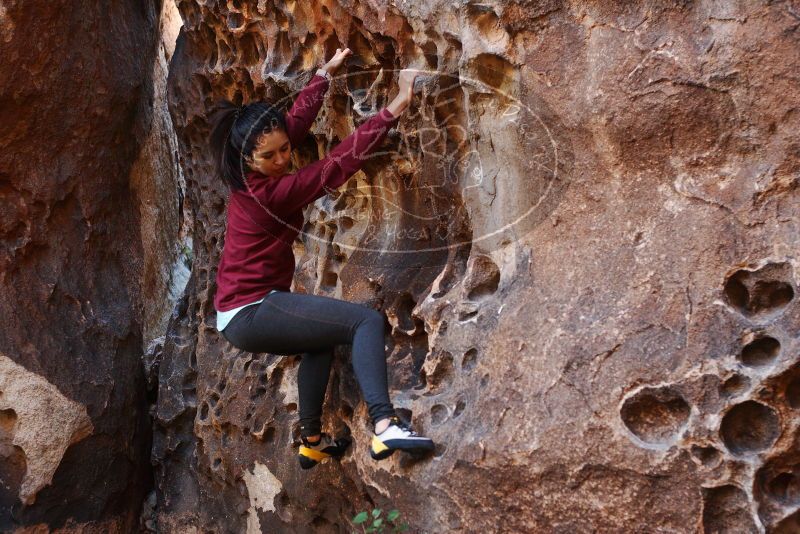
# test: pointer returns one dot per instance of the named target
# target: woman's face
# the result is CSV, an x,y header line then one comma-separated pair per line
x,y
271,154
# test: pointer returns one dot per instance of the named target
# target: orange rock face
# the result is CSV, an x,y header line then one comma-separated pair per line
x,y
584,239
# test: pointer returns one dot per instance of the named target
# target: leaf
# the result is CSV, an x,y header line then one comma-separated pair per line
x,y
360,518
403,527
377,523
376,512
393,515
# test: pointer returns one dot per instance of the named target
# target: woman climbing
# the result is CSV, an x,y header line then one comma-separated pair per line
x,y
256,311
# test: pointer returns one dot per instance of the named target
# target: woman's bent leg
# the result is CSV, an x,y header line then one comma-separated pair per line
x,y
312,382
290,323
368,339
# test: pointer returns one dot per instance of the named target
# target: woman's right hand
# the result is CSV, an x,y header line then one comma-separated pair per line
x,y
405,93
406,83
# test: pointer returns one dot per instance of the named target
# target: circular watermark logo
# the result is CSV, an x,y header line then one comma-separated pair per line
x,y
470,163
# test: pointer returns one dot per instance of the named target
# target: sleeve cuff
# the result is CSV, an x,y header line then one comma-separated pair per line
x,y
325,74
387,115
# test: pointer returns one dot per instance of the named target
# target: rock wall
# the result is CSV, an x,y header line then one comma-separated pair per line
x,y
584,241
157,181
75,92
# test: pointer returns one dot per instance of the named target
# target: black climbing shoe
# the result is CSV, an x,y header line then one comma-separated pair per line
x,y
327,447
398,436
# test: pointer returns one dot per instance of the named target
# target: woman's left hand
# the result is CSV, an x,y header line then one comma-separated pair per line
x,y
336,61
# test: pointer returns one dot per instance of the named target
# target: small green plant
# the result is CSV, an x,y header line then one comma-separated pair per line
x,y
379,524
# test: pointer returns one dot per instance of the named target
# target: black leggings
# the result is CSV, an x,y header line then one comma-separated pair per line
x,y
291,323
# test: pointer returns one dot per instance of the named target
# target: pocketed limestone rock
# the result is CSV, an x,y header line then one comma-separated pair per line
x,y
582,236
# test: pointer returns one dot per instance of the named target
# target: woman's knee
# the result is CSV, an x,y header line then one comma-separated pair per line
x,y
372,319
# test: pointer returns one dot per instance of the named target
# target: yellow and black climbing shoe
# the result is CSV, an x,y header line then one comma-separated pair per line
x,y
313,453
398,436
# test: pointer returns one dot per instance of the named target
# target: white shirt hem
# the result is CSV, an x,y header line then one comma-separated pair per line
x,y
224,317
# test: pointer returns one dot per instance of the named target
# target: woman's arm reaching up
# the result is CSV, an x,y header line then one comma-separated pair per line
x,y
306,106
294,191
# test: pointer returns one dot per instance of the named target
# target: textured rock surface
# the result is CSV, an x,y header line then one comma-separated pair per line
x,y
74,95
603,299
157,182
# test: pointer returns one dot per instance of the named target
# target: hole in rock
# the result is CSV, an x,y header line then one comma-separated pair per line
x,y
707,456
466,315
210,38
222,384
249,49
733,386
785,488
291,407
224,52
725,509
331,44
431,55
493,70
235,20
483,277
460,405
281,50
362,55
761,292
470,359
761,351
403,306
275,379
749,427
303,60
438,413
329,279
793,393
345,223
484,17
655,415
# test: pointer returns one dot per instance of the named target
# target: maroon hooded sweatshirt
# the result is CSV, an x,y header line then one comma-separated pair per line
x,y
264,220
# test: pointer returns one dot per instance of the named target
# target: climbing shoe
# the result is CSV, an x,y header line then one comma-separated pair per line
x,y
398,436
327,447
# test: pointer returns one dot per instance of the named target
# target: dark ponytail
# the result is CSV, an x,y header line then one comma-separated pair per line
x,y
234,133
